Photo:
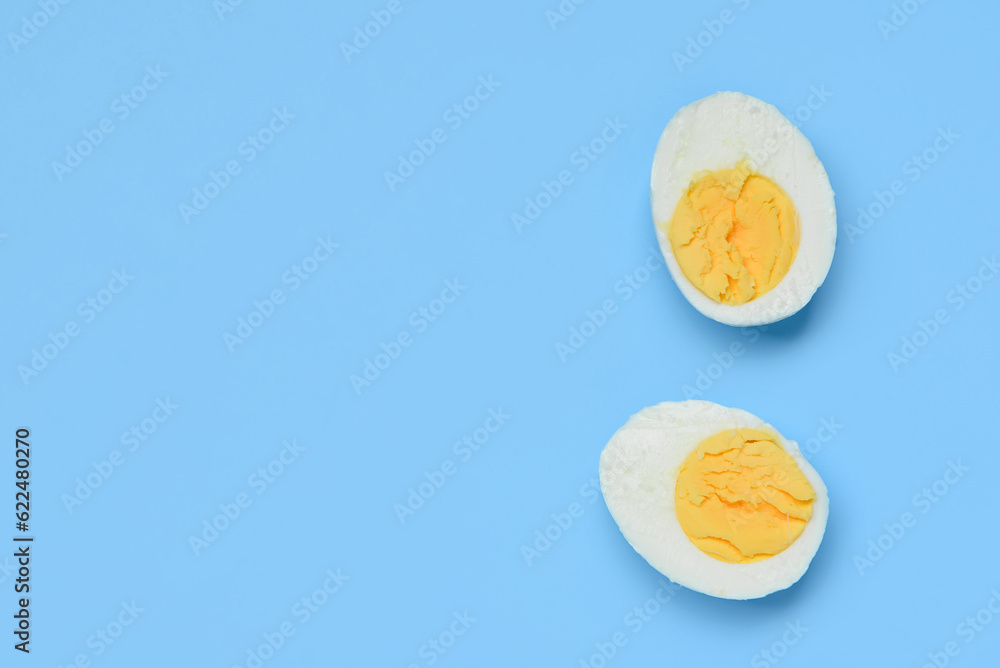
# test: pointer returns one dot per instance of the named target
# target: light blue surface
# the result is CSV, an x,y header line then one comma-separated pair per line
x,y
886,96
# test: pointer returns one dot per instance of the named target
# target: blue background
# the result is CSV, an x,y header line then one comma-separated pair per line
x,y
494,347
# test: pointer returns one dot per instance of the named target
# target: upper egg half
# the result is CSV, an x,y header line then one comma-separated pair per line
x,y
743,209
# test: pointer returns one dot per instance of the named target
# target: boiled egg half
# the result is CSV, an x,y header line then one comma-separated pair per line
x,y
714,498
743,209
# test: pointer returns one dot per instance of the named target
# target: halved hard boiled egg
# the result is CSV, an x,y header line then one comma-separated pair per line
x,y
714,498
743,209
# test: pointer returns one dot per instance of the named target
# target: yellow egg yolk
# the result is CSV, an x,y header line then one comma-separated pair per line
x,y
734,234
741,498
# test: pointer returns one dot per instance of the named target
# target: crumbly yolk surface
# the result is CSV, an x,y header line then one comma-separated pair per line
x,y
741,497
734,234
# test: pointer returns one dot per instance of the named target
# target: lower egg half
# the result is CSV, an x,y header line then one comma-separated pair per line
x,y
714,498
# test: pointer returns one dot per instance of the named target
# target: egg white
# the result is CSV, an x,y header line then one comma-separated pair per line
x,y
638,473
717,132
